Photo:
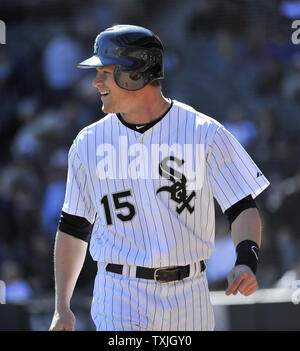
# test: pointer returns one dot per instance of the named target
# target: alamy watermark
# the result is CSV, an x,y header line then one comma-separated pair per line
x,y
182,164
2,32
296,34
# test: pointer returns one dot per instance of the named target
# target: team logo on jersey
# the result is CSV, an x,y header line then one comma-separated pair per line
x,y
178,190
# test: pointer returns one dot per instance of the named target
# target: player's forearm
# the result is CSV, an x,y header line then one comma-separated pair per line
x,y
69,256
247,226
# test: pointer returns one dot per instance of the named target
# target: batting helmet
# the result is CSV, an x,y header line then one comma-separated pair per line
x,y
136,52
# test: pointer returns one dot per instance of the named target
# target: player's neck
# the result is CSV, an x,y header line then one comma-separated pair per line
x,y
147,108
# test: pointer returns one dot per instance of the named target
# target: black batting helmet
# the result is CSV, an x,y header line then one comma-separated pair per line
x,y
136,51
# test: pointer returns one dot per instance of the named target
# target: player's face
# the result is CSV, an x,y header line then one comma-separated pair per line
x,y
114,99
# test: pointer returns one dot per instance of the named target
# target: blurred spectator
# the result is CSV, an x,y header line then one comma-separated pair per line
x,y
17,288
255,48
223,257
291,82
269,82
55,192
288,222
243,129
213,15
9,234
61,56
6,66
290,9
289,277
286,246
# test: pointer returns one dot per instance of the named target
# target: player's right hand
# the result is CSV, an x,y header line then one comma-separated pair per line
x,y
63,320
242,279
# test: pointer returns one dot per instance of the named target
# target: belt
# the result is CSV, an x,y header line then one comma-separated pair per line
x,y
162,275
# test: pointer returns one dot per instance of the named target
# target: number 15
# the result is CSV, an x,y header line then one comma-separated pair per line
x,y
118,205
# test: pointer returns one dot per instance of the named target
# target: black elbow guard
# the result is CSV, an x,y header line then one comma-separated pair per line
x,y
76,226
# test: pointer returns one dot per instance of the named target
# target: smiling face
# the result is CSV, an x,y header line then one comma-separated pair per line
x,y
114,99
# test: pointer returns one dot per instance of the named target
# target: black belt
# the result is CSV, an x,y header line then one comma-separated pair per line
x,y
157,274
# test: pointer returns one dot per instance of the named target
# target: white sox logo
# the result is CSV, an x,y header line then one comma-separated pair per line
x,y
178,189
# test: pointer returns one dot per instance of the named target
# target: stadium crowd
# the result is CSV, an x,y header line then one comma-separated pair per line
x,y
233,61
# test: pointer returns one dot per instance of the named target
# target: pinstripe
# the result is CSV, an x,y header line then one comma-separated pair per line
x,y
160,251
238,155
170,309
194,217
201,308
138,216
121,246
227,182
147,303
209,205
121,303
186,219
219,188
115,190
146,222
156,200
173,231
160,186
178,308
188,238
193,308
138,187
169,203
79,189
233,164
186,310
88,164
132,193
181,236
71,155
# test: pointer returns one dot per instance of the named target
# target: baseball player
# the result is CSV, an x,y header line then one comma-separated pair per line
x,y
140,189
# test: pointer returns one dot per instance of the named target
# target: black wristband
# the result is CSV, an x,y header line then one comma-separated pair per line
x,y
247,253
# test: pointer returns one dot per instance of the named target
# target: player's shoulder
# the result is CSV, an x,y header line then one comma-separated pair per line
x,y
201,120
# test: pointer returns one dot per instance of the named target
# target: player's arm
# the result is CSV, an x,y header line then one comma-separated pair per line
x,y
69,254
246,235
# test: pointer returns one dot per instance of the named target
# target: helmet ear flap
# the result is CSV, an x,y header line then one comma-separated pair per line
x,y
130,80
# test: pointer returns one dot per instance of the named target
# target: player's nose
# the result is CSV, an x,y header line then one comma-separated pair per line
x,y
98,81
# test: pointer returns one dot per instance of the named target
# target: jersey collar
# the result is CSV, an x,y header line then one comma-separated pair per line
x,y
141,128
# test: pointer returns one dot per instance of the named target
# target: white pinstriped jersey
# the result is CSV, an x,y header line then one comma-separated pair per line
x,y
150,195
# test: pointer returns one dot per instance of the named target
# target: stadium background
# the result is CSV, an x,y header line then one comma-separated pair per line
x,y
232,60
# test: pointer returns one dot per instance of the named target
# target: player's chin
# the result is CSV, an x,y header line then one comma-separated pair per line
x,y
107,108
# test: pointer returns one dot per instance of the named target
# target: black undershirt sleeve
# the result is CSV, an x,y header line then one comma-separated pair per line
x,y
233,211
76,226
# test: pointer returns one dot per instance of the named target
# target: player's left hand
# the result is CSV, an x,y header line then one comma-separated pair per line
x,y
242,279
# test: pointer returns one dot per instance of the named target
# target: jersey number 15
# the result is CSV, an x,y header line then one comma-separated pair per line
x,y
118,205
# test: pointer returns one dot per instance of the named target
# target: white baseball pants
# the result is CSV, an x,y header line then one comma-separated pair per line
x,y
124,302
